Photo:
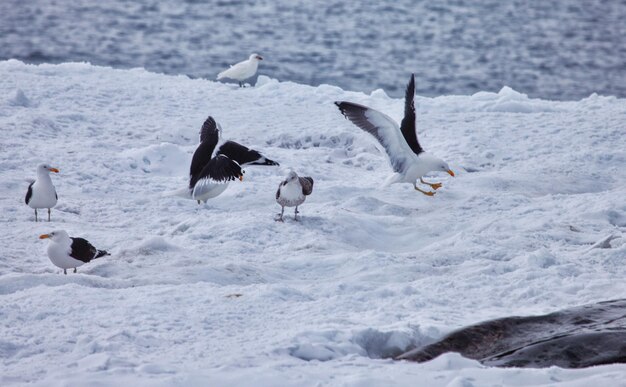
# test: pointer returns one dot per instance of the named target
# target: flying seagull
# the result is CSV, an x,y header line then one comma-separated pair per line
x,y
242,70
211,170
292,192
41,192
69,253
408,159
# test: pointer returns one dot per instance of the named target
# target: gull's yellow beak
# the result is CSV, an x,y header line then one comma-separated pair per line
x,y
54,170
450,172
44,236
240,177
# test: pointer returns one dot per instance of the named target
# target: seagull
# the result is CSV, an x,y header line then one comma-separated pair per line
x,y
408,160
242,70
69,253
292,192
211,171
41,192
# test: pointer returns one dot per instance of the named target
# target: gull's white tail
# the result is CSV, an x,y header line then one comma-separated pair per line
x,y
181,193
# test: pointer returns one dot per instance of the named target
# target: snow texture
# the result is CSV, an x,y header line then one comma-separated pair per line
x,y
221,294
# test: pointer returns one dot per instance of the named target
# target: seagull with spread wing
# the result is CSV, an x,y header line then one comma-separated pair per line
x,y
212,170
407,157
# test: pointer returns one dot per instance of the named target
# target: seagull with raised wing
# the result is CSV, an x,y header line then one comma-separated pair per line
x,y
242,70
68,252
292,192
407,157
213,166
41,192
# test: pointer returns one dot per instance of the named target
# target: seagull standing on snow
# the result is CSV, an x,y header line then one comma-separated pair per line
x,y
408,159
41,192
242,70
210,173
292,192
69,253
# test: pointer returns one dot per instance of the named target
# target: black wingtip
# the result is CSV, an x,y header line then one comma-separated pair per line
x,y
271,162
410,88
102,253
208,127
342,108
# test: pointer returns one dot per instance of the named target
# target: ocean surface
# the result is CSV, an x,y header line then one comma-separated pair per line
x,y
545,48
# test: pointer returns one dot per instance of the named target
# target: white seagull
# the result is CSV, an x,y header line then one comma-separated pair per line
x,y
211,170
69,253
41,192
407,158
242,70
292,192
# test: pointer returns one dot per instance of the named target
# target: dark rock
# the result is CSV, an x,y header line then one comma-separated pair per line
x,y
572,338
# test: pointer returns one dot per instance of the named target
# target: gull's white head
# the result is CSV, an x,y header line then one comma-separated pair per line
x,y
291,176
56,236
255,57
45,168
442,166
435,164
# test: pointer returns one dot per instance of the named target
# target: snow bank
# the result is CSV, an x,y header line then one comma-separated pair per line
x,y
220,294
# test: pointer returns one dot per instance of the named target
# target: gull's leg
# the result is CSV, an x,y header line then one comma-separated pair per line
x,y
434,186
74,270
48,214
36,215
65,271
280,217
199,202
295,214
240,84
424,192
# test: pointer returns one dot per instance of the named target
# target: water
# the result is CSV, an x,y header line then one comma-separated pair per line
x,y
545,48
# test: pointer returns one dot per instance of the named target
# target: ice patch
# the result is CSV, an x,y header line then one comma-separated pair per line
x,y
20,99
372,343
506,100
149,246
163,159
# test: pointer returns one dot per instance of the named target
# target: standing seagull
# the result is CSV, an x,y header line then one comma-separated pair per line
x,y
210,173
408,159
292,192
41,192
242,70
69,253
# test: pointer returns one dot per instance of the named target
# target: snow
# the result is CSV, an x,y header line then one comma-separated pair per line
x,y
221,294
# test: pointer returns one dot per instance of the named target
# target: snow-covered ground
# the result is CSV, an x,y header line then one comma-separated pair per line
x,y
369,272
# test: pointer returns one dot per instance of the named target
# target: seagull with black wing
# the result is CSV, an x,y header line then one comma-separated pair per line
x,y
41,192
407,157
68,252
213,166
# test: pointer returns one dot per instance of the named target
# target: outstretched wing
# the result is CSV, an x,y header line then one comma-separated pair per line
x,y
382,127
82,250
209,136
219,170
307,185
407,127
243,155
210,129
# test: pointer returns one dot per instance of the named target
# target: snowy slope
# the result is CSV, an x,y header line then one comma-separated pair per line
x,y
366,274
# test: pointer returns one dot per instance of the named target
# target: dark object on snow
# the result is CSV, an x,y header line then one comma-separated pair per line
x,y
578,337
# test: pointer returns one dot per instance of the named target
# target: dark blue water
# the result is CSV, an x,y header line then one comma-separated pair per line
x,y
545,48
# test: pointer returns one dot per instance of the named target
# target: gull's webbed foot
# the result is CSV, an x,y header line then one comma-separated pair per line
x,y
427,193
434,186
